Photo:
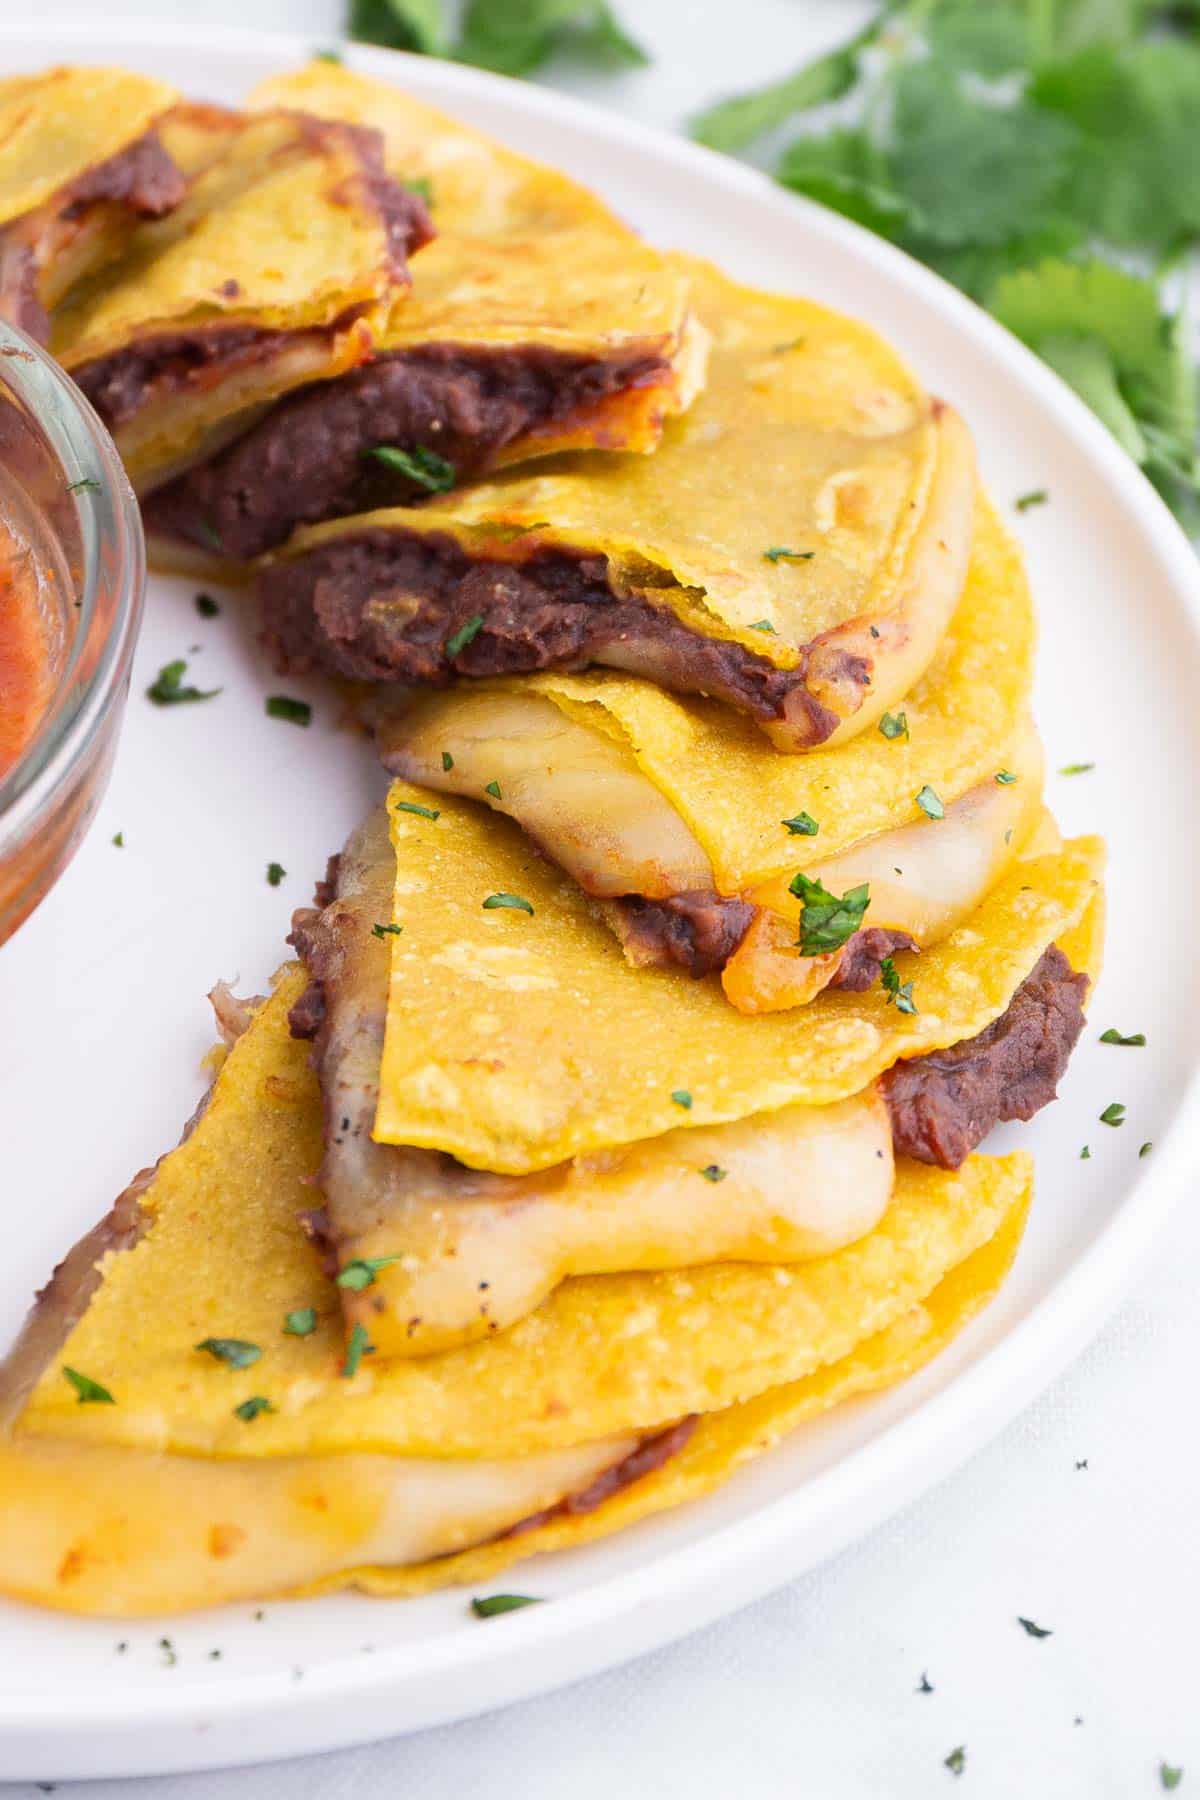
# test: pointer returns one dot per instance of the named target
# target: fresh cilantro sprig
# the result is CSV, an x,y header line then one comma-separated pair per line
x,y
514,37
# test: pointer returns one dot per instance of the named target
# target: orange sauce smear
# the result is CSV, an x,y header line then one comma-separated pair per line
x,y
24,662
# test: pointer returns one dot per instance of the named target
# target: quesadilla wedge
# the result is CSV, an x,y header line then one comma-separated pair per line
x,y
795,547
432,1253
150,1462
537,322
81,162
280,266
689,830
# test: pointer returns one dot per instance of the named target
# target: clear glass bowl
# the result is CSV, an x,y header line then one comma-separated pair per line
x,y
64,495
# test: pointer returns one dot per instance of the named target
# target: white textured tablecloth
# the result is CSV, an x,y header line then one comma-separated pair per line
x,y
1084,1516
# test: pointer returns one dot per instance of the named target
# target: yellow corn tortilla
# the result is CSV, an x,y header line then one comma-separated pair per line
x,y
516,1041
734,791
226,1257
62,123
93,1529
523,256
810,437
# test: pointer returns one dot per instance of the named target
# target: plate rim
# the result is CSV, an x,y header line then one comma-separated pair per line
x,y
906,1457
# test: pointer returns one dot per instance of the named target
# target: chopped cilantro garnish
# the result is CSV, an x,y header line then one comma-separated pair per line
x,y
301,1323
118,839
234,1351
681,1097
826,921
894,989
894,725
493,788
930,804
283,706
924,1686
1145,1149
358,1346
87,1391
803,825
1005,777
1036,497
1034,1630
447,762
422,187
382,931
956,1762
250,1409
1085,1154
275,874
495,1604
1113,1114
1169,1776
466,634
781,553
1135,1040
514,903
714,1172
86,486
207,607
361,1272
1077,768
763,625
422,812
329,56
167,688
425,467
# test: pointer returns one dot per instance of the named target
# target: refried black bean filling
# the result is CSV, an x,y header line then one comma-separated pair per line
x,y
390,606
310,458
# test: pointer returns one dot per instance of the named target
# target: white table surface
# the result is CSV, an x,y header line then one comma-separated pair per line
x,y
813,1692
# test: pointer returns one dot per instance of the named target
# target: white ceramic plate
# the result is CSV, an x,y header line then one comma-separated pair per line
x,y
102,1020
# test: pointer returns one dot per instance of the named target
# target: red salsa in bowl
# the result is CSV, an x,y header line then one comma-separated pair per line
x,y
72,575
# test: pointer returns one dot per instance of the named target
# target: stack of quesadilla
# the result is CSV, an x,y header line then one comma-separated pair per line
x,y
623,1107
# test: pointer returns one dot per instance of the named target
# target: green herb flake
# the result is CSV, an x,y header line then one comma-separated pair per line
x,y
422,812
207,607
1145,1150
429,470
493,788
361,1272
327,56
275,874
1113,1114
511,902
1077,768
466,634
118,839
382,931
300,1323
781,553
1032,1629
447,762
924,1686
681,1097
358,1346
235,1352
250,1409
895,990
956,1762
930,804
803,825
1135,1041
827,921
283,706
1169,1776
494,1604
763,625
168,688
894,725
1085,1155
1036,497
86,486
1005,778
422,187
87,1391
714,1173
